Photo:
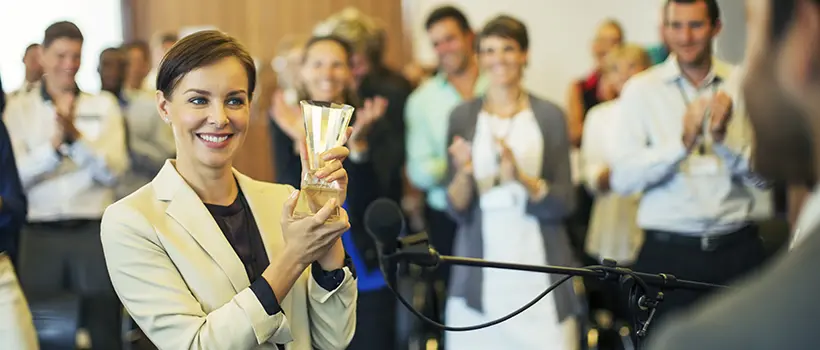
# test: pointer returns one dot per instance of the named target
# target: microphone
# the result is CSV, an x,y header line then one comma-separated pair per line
x,y
384,222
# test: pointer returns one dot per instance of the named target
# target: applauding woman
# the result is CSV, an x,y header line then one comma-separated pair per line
x,y
204,257
509,191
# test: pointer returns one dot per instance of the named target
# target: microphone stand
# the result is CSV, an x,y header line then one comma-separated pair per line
x,y
638,282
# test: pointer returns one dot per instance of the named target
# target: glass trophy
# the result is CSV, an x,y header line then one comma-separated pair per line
x,y
325,127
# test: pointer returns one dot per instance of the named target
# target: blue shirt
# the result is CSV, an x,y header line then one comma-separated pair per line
x,y
366,280
427,117
14,206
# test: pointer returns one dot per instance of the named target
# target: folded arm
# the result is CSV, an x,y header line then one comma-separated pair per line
x,y
641,162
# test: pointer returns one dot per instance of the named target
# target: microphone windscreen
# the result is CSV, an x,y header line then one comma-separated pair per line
x,y
384,222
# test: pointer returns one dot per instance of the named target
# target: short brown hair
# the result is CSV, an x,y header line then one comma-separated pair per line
x,y
62,30
199,50
506,27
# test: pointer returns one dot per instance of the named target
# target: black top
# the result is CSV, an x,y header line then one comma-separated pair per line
x,y
237,223
776,309
239,227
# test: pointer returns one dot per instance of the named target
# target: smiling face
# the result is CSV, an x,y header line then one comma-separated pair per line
x,y
326,72
452,44
209,113
689,32
503,59
61,61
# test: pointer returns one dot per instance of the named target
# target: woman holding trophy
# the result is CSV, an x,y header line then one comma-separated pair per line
x,y
509,192
205,257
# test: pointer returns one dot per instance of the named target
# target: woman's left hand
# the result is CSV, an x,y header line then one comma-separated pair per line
x,y
333,169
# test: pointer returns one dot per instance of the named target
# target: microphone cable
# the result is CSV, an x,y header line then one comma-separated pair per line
x,y
389,282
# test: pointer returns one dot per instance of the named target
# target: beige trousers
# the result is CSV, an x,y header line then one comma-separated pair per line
x,y
16,328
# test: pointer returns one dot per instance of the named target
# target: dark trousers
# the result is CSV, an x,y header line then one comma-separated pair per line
x,y
720,261
375,321
67,257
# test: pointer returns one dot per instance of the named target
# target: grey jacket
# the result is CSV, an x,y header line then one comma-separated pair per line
x,y
558,204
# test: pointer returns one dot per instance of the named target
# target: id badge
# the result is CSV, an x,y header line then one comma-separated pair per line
x,y
700,165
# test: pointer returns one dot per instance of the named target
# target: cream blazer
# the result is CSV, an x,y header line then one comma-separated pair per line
x,y
186,288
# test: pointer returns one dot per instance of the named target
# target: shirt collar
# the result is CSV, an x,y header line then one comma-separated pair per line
x,y
671,71
481,82
45,95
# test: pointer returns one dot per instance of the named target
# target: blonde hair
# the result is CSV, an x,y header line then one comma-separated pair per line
x,y
631,52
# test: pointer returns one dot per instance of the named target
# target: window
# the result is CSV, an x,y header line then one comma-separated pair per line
x,y
24,23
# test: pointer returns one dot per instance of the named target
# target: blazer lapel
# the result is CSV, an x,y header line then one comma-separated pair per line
x,y
267,209
187,209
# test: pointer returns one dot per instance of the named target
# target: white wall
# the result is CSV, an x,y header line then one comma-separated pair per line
x,y
560,32
24,22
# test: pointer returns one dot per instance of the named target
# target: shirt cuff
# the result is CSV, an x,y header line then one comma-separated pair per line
x,y
267,298
330,280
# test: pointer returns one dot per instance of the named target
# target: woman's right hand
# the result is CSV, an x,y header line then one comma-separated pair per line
x,y
309,238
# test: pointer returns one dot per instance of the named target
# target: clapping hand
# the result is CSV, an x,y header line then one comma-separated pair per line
x,y
372,111
721,114
508,167
65,130
462,152
693,122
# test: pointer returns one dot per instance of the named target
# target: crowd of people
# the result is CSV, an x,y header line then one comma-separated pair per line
x,y
653,163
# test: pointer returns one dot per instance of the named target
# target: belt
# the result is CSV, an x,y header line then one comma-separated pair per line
x,y
705,243
63,224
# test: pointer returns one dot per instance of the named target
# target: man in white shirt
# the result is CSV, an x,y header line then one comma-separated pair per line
x,y
677,148
70,151
34,70
778,308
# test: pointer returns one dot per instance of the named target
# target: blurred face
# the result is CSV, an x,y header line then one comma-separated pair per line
x,y
621,70
503,59
209,113
689,32
325,72
359,67
138,64
61,61
453,45
783,131
32,58
112,70
607,38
